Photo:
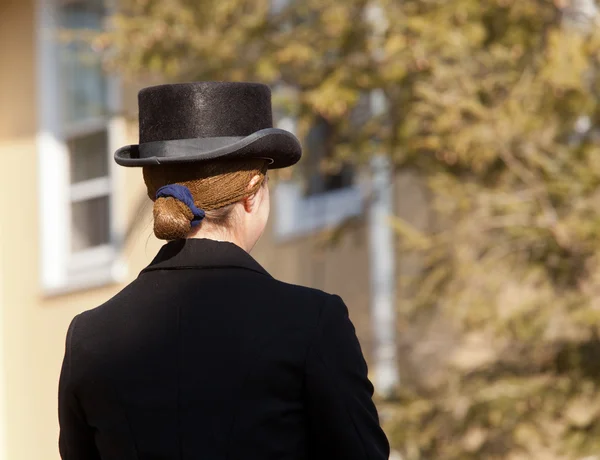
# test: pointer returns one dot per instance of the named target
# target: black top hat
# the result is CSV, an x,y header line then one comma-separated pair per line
x,y
192,122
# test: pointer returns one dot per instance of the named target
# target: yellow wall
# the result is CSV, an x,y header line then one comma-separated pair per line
x,y
34,326
17,154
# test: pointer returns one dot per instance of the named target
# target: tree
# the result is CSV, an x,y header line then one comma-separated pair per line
x,y
493,103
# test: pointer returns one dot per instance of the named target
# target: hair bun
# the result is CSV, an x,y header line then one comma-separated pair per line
x,y
172,219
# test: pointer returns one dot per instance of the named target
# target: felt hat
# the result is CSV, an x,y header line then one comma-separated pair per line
x,y
201,121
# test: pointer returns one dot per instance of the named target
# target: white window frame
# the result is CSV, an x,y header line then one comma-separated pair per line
x,y
61,270
297,215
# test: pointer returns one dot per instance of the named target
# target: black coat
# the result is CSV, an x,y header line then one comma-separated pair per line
x,y
205,356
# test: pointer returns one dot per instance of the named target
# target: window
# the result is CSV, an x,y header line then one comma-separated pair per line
x,y
318,146
79,130
326,199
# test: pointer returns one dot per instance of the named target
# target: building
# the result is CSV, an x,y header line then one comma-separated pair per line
x,y
75,228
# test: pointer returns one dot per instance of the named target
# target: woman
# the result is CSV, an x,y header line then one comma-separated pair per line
x,y
205,355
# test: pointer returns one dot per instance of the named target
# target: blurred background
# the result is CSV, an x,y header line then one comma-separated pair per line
x,y
448,192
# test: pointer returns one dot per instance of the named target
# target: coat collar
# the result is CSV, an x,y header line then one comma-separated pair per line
x,y
203,253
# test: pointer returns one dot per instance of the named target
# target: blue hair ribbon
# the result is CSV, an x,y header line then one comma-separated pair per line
x,y
183,194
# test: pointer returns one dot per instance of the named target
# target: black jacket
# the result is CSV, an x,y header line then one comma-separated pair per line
x,y
205,356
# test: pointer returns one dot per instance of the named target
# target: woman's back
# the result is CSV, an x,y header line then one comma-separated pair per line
x,y
206,356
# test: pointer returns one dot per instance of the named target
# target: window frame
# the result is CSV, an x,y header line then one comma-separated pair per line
x,y
299,215
62,270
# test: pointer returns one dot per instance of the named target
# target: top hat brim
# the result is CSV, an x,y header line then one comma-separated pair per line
x,y
281,148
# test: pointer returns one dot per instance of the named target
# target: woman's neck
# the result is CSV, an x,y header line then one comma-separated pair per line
x,y
220,235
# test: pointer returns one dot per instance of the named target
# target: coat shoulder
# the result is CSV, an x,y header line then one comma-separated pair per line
x,y
264,293
300,292
310,301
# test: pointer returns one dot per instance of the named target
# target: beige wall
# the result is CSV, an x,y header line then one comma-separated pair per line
x,y
17,127
34,326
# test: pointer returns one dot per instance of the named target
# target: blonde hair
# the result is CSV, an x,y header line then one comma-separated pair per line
x,y
215,188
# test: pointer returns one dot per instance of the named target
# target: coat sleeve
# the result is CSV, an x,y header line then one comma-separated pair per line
x,y
76,440
342,418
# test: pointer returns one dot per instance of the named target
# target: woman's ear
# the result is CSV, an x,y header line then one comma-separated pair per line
x,y
251,202
254,181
